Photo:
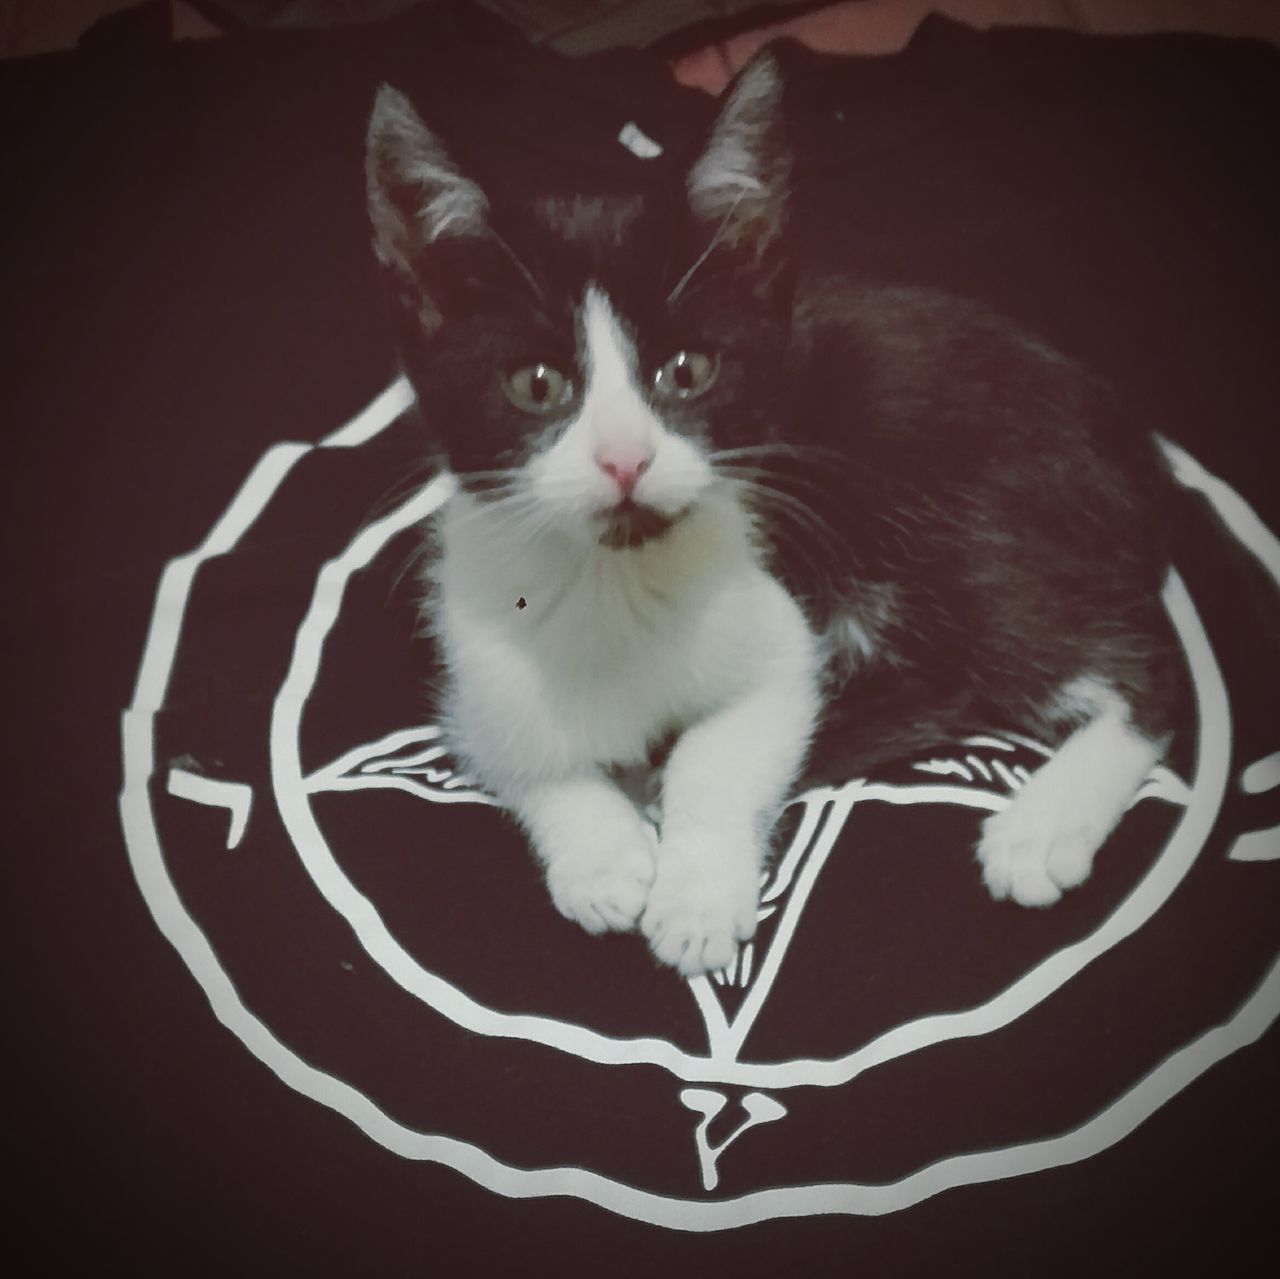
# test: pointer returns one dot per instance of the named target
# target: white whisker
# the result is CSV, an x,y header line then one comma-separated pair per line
x,y
706,253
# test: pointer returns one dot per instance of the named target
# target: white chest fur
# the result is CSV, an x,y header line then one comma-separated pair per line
x,y
564,655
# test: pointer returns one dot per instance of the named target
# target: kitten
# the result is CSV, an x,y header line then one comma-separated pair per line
x,y
714,503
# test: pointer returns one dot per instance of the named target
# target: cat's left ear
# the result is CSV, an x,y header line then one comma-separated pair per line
x,y
416,195
739,182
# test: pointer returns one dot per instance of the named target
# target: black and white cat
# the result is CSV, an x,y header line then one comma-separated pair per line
x,y
714,503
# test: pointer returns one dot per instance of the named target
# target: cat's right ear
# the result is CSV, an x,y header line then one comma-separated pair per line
x,y
416,195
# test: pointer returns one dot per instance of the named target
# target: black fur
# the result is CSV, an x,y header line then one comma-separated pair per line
x,y
981,508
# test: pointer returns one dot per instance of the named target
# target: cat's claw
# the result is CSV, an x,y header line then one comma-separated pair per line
x,y
697,917
604,889
1033,860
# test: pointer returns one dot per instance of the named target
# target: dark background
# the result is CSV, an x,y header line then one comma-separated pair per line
x,y
186,281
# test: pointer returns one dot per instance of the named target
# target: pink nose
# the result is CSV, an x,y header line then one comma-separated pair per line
x,y
624,469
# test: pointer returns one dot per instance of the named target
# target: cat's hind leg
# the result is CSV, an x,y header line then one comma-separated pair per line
x,y
1044,842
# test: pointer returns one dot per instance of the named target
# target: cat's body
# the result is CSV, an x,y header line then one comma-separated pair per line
x,y
712,506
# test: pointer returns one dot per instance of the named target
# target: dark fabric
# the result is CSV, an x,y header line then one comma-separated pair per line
x,y
188,283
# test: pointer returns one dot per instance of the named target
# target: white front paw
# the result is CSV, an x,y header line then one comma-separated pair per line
x,y
703,905
1032,855
601,879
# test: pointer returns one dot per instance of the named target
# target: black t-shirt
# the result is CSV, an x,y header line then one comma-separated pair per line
x,y
287,994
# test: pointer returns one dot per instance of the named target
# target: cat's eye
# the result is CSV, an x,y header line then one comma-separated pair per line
x,y
685,375
537,388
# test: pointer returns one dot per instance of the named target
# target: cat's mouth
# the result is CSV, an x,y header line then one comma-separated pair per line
x,y
630,524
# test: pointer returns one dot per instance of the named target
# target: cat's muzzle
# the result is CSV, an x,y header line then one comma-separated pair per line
x,y
631,524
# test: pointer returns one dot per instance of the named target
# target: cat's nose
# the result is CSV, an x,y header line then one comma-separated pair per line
x,y
624,469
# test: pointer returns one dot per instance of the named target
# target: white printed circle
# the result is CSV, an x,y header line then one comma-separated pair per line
x,y
724,1063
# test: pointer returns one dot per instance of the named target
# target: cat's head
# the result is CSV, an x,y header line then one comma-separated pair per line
x,y
589,358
